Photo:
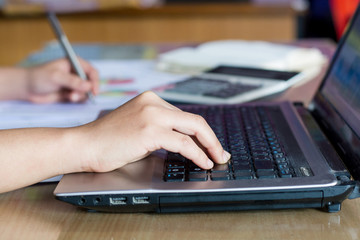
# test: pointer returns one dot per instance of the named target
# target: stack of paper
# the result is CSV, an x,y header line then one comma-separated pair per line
x,y
240,53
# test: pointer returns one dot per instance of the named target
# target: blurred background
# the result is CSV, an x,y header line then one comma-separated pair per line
x,y
24,27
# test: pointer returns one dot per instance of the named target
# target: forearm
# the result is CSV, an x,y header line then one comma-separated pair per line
x,y
28,156
13,82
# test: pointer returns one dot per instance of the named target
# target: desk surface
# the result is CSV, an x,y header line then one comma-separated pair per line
x,y
33,213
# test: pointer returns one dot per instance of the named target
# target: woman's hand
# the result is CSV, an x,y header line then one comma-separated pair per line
x,y
56,82
143,125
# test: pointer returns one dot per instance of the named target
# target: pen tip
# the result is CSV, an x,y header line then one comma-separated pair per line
x,y
91,99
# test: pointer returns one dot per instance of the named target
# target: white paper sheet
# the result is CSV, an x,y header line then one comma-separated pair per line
x,y
20,114
240,53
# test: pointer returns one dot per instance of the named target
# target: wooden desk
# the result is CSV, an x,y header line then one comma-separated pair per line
x,y
174,23
33,213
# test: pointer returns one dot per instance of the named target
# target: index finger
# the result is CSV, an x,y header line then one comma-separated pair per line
x,y
195,125
92,74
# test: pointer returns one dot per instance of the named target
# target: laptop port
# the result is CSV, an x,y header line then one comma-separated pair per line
x,y
97,200
141,200
117,200
82,201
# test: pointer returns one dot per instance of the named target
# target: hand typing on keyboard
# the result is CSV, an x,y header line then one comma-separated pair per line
x,y
145,124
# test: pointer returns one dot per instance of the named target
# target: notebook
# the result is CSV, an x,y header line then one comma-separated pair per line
x,y
284,155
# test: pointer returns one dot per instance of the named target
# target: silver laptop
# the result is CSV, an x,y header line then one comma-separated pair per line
x,y
283,156
232,84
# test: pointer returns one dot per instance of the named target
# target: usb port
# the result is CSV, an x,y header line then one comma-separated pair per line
x,y
141,200
117,200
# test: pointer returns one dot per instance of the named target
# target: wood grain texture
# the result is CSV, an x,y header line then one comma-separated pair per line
x,y
33,213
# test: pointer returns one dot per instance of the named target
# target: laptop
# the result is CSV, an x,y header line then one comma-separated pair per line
x,y
284,155
227,84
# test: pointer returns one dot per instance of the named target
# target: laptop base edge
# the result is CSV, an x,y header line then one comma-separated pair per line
x,y
328,199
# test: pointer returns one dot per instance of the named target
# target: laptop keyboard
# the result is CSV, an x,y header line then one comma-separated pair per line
x,y
210,87
250,135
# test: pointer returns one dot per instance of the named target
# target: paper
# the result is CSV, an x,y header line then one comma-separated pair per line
x,y
17,114
121,80
137,75
240,53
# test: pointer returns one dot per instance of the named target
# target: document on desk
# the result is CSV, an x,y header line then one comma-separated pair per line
x,y
121,80
17,114
131,76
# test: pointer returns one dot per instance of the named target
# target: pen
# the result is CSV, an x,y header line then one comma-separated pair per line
x,y
68,49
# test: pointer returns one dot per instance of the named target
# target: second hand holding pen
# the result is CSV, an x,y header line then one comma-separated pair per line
x,y
68,50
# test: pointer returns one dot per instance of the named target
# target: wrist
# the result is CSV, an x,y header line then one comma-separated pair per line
x,y
78,150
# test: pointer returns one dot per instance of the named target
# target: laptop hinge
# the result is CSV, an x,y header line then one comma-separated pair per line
x,y
326,148
356,191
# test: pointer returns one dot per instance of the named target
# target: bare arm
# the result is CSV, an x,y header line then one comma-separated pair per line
x,y
13,82
32,155
128,134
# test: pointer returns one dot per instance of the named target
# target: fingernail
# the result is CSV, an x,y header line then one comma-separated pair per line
x,y
210,163
226,156
75,97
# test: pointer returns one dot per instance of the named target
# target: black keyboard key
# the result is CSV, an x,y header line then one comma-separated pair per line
x,y
220,168
242,167
262,158
241,161
220,176
198,176
278,155
175,165
281,160
285,174
174,177
243,157
264,165
283,166
265,174
197,170
175,170
243,175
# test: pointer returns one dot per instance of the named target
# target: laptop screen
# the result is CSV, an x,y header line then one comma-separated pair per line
x,y
342,84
